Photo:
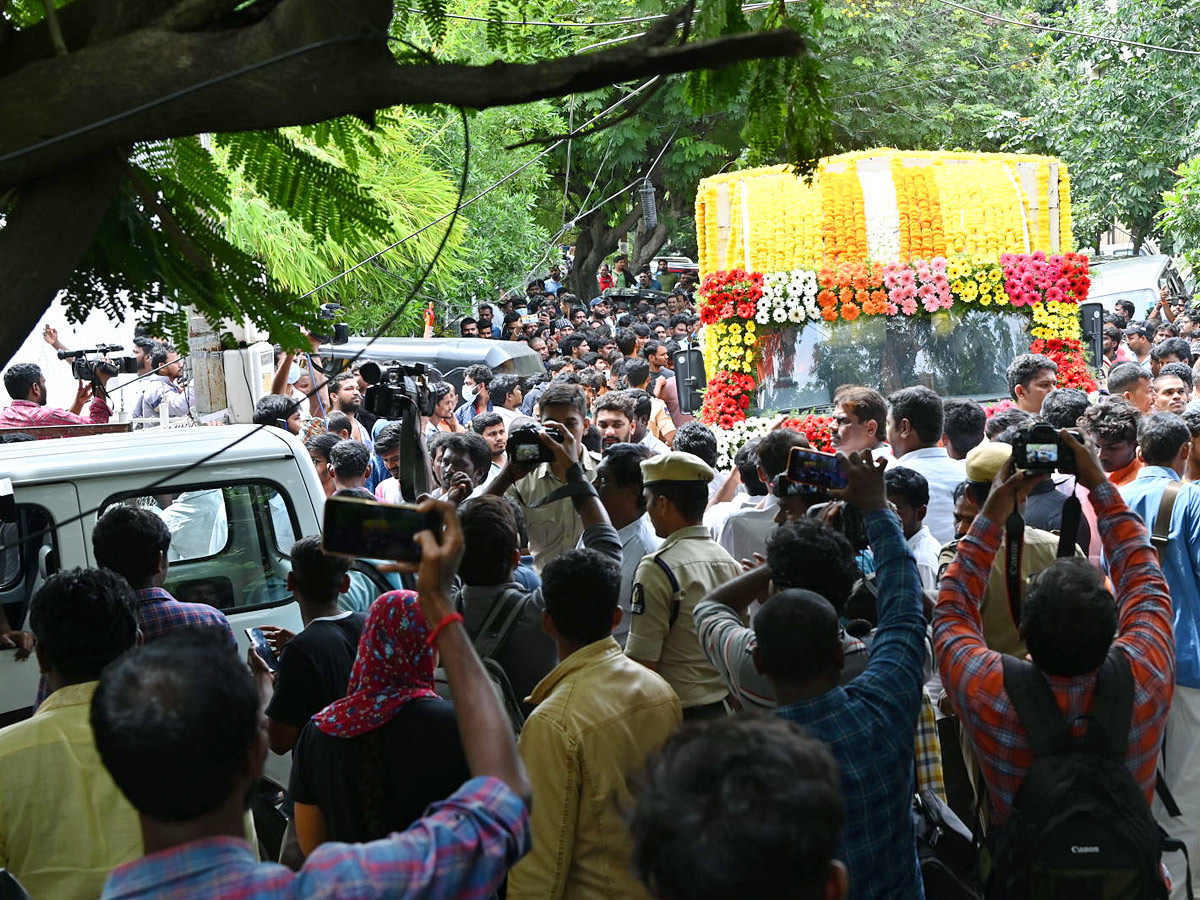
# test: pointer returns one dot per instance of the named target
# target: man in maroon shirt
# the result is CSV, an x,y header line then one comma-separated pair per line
x,y
26,384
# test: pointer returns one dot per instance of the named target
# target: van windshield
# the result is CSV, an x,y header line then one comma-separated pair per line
x,y
958,354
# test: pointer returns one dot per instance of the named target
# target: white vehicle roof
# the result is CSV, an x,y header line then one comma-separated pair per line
x,y
149,451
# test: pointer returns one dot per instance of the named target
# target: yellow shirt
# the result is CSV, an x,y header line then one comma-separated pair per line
x,y
599,716
556,527
699,564
63,823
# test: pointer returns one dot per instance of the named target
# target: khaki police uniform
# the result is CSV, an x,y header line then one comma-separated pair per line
x,y
556,527
667,586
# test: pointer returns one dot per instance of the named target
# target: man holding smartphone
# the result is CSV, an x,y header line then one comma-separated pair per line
x,y
553,524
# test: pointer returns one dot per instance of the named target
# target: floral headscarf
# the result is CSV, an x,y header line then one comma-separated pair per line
x,y
394,665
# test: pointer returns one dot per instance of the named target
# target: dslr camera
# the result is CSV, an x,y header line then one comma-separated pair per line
x,y
1038,448
525,445
84,369
393,388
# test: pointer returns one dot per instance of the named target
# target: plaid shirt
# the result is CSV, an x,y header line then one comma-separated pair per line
x,y
27,414
930,776
973,675
159,613
460,849
869,725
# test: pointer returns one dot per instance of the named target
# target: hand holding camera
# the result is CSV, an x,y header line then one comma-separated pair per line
x,y
563,447
865,488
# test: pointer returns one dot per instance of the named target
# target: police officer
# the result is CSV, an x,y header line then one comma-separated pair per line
x,y
673,579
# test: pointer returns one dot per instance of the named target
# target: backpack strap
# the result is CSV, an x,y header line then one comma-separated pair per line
x,y
498,624
1036,707
676,591
1162,520
1112,707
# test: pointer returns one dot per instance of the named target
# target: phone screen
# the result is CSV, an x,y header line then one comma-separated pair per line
x,y
823,470
259,641
371,530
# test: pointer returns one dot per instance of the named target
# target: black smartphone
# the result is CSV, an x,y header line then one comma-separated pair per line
x,y
368,529
812,467
263,648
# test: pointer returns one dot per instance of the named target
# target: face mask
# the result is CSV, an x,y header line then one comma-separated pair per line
x,y
468,393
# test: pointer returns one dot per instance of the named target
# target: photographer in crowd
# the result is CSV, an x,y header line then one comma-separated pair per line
x,y
26,385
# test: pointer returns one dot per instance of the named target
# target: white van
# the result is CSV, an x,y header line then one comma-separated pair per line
x,y
233,519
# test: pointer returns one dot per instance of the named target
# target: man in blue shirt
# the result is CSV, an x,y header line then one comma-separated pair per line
x,y
869,723
1164,444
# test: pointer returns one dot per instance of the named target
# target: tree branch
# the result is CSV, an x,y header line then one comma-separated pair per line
x,y
61,212
105,81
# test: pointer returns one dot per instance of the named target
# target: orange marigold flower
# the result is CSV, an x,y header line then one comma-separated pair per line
x,y
849,312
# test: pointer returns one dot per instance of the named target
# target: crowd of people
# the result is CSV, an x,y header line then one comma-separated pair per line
x,y
619,671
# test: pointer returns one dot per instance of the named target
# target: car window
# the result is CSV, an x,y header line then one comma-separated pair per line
x,y
229,543
28,554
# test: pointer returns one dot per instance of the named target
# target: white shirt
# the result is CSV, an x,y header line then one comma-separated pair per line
x,y
925,548
637,541
944,475
883,450
715,515
745,532
656,446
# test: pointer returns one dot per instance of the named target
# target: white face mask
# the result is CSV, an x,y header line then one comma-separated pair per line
x,y
468,393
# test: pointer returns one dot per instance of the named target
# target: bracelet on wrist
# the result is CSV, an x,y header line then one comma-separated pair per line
x,y
448,620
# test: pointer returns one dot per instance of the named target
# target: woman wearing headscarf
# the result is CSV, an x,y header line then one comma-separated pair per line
x,y
370,763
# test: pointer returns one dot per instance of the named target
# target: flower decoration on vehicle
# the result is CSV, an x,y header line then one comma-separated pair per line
x,y
730,439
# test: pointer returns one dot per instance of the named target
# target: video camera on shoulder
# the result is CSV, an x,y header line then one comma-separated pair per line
x,y
525,446
1039,448
340,333
368,529
84,369
393,388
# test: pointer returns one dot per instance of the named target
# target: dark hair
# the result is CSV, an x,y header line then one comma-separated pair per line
x,y
865,404
323,444
791,549
1062,407
775,447
83,619
641,330
1191,418
336,422
1124,377
641,402
129,540
1160,436
388,439
273,409
581,588
159,353
589,358
1006,419
923,409
1126,305
556,364
1113,333
1025,368
746,462
908,484
1182,371
350,459
471,444
484,421
798,636
737,807
318,574
174,722
963,424
651,347
568,344
616,401
464,322
637,370
490,538
559,394
690,498
1174,346
501,387
479,373
1114,419
1068,619
1169,327
20,379
697,439
623,462
626,340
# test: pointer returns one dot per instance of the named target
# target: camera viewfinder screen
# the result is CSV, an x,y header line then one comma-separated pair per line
x,y
369,530
823,470
1041,453
524,453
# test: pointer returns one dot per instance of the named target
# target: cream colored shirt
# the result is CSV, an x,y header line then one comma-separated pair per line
x,y
64,825
699,565
555,527
598,716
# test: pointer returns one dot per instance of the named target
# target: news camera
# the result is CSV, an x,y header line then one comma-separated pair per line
x,y
340,333
85,369
396,389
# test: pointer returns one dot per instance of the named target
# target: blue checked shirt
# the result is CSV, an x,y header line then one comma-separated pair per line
x,y
460,850
869,726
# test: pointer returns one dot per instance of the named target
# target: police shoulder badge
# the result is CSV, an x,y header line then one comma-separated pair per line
x,y
637,602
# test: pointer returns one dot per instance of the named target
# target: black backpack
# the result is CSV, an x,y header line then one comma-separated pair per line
x,y
1080,826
